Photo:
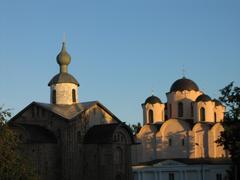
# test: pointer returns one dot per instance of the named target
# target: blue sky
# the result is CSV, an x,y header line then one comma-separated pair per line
x,y
120,50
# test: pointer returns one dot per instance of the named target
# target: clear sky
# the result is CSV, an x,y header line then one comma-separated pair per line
x,y
120,50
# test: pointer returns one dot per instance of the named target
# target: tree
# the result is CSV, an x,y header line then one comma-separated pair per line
x,y
230,137
135,128
12,164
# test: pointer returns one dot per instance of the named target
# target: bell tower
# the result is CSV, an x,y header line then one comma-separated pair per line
x,y
63,86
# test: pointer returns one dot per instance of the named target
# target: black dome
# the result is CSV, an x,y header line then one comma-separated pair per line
x,y
203,98
184,84
63,78
152,100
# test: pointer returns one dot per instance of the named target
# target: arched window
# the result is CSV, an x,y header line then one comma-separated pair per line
x,y
54,96
180,109
150,116
192,109
118,156
73,95
169,142
183,142
202,114
215,117
170,110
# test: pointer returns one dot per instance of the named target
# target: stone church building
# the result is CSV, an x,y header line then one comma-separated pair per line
x,y
177,140
68,139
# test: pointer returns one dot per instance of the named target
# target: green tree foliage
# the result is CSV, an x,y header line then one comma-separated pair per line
x,y
135,128
13,166
230,138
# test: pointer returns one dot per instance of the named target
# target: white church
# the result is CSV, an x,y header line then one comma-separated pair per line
x,y
177,140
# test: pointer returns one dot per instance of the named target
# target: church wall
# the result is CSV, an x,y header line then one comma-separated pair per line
x,y
186,97
180,171
97,116
45,158
158,112
209,111
146,149
201,140
64,93
215,150
72,151
173,140
219,110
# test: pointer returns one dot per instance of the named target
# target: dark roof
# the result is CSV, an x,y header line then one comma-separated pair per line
x,y
184,84
103,134
217,102
68,112
38,134
152,100
203,98
63,77
65,111
210,161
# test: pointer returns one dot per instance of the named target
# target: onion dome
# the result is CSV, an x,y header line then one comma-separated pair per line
x,y
203,98
152,100
217,102
184,84
63,59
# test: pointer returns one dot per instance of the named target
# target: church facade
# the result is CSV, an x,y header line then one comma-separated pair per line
x,y
68,139
177,140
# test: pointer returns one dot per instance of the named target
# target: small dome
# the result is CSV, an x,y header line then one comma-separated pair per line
x,y
203,98
152,100
63,58
184,84
63,78
217,102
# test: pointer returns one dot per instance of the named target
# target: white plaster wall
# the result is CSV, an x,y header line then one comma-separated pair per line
x,y
215,150
209,107
177,130
186,97
158,112
219,110
146,150
181,172
201,144
64,93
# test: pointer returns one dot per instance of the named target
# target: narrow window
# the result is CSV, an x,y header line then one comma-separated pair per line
x,y
73,95
180,109
79,137
170,110
171,176
118,156
183,142
169,142
150,116
215,117
218,176
202,114
54,96
191,109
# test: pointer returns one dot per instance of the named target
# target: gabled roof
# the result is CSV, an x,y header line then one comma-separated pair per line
x,y
68,112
